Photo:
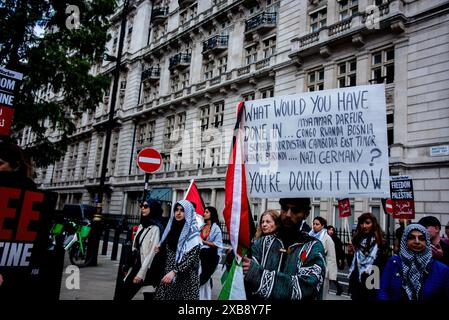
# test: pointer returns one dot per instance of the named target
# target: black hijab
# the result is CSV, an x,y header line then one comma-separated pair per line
x,y
173,235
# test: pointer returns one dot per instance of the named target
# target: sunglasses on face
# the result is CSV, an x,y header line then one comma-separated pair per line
x,y
411,237
145,206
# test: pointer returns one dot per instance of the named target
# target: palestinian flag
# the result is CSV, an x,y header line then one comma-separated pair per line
x,y
237,215
193,195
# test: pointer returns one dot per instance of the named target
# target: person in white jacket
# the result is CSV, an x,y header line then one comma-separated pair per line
x,y
146,240
319,231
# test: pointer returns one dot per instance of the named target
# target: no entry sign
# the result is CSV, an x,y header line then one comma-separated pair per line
x,y
149,160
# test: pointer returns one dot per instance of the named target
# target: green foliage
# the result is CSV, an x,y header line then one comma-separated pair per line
x,y
61,60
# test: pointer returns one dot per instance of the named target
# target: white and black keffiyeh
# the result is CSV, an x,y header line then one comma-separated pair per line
x,y
318,235
190,234
414,264
365,255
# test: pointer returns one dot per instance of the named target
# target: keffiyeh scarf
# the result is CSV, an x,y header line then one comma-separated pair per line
x,y
414,264
319,235
190,235
365,255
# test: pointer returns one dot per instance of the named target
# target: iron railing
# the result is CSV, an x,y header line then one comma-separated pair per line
x,y
216,42
263,19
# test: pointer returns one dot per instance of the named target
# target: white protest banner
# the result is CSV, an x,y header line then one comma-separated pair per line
x,y
330,143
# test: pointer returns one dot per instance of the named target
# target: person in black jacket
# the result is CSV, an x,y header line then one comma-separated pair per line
x,y
340,255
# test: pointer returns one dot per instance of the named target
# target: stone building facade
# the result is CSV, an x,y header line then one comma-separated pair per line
x,y
188,63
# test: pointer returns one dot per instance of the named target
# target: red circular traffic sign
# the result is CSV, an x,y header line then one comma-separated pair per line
x,y
389,206
149,160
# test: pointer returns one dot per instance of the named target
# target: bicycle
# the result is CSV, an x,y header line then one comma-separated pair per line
x,y
76,245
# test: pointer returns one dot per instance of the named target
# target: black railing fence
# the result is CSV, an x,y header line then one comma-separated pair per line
x,y
344,235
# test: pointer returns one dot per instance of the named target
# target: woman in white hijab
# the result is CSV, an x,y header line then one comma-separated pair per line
x,y
181,242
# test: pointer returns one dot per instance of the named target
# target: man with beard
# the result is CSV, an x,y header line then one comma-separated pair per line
x,y
289,264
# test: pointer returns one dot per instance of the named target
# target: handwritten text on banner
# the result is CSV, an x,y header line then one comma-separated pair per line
x,y
330,143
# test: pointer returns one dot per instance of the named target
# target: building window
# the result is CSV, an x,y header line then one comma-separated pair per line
x,y
181,121
201,158
175,125
215,157
185,79
169,126
267,93
146,133
217,116
150,92
382,66
99,155
204,117
208,70
159,31
348,8
390,128
114,44
375,210
183,15
318,19
269,47
315,80
130,33
177,160
166,161
188,14
222,65
85,159
174,82
248,96
113,157
251,54
347,73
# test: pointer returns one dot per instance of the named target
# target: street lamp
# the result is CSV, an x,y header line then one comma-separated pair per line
x,y
97,220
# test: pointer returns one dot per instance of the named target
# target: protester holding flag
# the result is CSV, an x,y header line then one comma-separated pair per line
x,y
182,242
414,274
237,214
289,264
369,250
319,231
210,251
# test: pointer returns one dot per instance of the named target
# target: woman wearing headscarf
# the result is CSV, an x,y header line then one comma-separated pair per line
x,y
145,242
414,274
182,242
369,251
210,250
319,231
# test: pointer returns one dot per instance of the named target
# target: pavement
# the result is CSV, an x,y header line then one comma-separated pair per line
x,y
98,282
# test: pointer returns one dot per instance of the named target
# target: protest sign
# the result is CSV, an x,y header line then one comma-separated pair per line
x,y
344,208
316,144
403,198
27,267
9,85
